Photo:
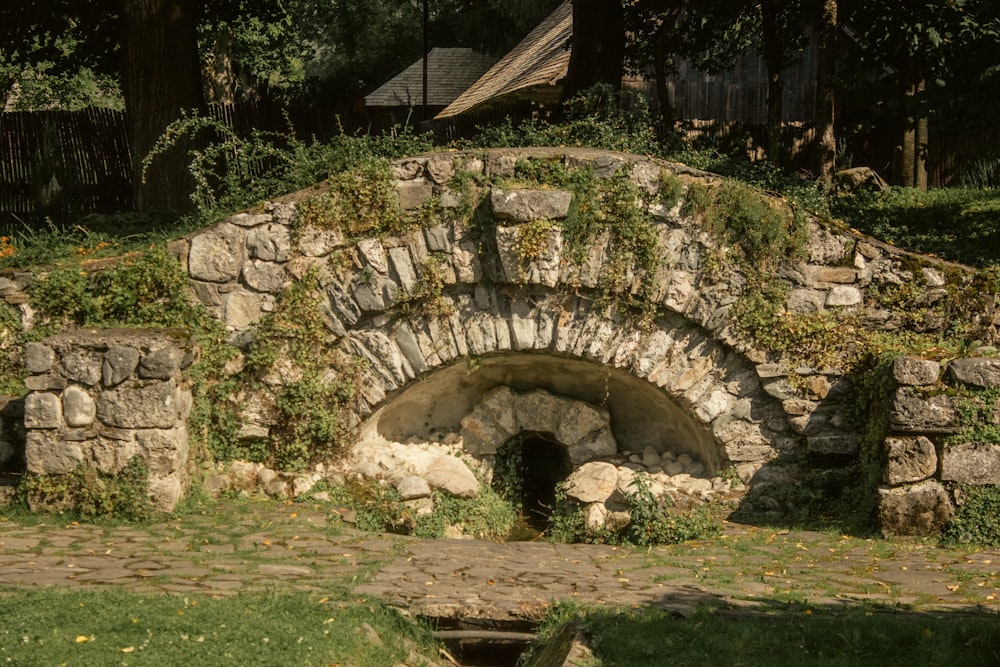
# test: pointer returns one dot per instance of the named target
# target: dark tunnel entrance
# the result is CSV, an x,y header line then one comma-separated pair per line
x,y
528,468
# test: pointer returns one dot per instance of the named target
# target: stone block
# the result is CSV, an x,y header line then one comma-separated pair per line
x,y
119,364
833,445
42,410
909,460
265,276
161,364
165,451
976,371
413,194
971,463
916,372
38,358
138,404
529,205
217,255
843,295
314,242
916,414
452,476
440,168
243,309
79,408
592,482
271,243
47,453
45,382
920,510
82,366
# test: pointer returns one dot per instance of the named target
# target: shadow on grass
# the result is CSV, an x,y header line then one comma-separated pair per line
x,y
770,633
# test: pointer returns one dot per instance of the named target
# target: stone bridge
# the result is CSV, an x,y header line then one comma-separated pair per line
x,y
582,298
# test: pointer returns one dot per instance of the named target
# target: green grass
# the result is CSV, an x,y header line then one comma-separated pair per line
x,y
793,636
959,224
118,627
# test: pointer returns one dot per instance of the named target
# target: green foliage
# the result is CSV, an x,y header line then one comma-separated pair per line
x,y
314,401
361,202
123,495
508,473
961,225
140,289
977,412
765,229
652,521
233,172
598,117
977,517
425,298
379,508
12,340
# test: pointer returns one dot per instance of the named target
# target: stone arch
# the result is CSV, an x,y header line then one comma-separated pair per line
x,y
686,377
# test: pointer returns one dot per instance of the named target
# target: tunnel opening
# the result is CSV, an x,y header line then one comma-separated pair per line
x,y
527,471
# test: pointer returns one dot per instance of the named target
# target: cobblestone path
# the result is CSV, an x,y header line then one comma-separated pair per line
x,y
245,545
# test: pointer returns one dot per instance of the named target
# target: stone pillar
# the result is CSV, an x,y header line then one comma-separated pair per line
x,y
99,397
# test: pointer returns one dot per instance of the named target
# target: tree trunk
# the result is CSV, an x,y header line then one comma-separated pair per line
x,y
598,46
826,138
920,141
220,73
661,51
161,75
775,62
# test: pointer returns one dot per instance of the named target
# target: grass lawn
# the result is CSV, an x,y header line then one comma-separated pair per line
x,y
116,627
794,637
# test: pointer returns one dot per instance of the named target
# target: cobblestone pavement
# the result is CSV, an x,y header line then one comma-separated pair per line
x,y
242,545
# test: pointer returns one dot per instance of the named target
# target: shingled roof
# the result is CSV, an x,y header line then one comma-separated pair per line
x,y
537,63
449,72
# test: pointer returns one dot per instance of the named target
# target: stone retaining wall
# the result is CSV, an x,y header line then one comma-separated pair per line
x,y
685,383
922,457
102,396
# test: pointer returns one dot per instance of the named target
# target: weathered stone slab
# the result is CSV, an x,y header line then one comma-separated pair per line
x,y
217,255
42,410
119,364
265,276
139,405
529,205
920,510
449,474
917,372
161,363
916,414
47,453
38,357
976,371
592,482
413,194
909,460
971,463
271,243
81,366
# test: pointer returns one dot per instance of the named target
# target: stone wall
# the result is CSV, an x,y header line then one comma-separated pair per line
x,y
921,457
99,397
686,384
744,411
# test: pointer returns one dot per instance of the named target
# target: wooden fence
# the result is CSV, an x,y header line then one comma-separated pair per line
x,y
55,163
60,165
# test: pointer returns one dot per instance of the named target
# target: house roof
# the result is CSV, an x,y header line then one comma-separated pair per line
x,y
449,72
540,60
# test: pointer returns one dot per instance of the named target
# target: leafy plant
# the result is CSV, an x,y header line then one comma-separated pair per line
x,y
977,516
123,495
